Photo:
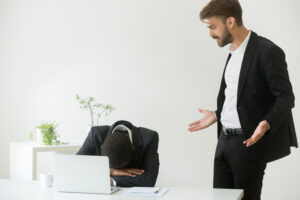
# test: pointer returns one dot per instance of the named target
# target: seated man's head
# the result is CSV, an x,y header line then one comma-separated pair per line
x,y
118,148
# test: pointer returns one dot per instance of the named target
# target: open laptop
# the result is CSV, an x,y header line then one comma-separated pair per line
x,y
83,174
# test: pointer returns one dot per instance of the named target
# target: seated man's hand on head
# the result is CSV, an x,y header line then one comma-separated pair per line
x,y
126,172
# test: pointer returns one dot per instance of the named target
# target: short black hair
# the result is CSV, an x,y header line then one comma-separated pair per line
x,y
118,148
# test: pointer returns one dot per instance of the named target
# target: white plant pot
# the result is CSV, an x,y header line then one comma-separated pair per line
x,y
39,136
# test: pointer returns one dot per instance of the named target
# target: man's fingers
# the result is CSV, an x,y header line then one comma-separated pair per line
x,y
201,110
126,173
250,142
135,171
257,135
196,128
121,172
194,123
139,170
247,142
132,172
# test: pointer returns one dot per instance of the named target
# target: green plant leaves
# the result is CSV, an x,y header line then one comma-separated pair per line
x,y
48,129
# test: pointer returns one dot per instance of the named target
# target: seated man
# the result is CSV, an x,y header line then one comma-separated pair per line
x,y
132,152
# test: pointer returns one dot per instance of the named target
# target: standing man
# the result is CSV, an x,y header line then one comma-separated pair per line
x,y
255,122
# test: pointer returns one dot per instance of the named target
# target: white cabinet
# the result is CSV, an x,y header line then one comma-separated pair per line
x,y
23,157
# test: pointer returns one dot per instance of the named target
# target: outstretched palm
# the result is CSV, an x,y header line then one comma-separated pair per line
x,y
208,119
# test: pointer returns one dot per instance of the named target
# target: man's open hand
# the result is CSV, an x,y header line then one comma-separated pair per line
x,y
126,172
208,119
260,130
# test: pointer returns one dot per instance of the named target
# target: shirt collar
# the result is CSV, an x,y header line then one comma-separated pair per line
x,y
122,127
242,47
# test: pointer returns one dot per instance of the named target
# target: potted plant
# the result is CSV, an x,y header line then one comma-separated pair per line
x,y
45,133
94,108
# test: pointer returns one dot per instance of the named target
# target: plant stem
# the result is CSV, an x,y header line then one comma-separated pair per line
x,y
91,113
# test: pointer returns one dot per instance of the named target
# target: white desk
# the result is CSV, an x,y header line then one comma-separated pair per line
x,y
23,157
31,190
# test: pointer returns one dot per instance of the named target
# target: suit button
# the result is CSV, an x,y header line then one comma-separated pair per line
x,y
239,108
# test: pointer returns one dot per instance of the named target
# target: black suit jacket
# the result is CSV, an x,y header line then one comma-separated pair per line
x,y
145,155
264,93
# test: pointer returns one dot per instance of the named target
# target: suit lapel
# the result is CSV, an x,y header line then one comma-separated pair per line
x,y
250,50
221,95
223,76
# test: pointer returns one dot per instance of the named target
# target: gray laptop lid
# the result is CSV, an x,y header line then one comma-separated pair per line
x,y
81,173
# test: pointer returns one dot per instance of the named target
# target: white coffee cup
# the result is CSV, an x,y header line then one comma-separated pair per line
x,y
46,180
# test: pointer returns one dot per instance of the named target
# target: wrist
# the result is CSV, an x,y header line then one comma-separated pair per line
x,y
214,116
111,171
265,125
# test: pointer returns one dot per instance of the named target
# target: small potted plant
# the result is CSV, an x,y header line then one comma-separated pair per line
x,y
45,134
94,108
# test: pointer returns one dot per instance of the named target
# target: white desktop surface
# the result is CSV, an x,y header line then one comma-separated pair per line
x,y
31,190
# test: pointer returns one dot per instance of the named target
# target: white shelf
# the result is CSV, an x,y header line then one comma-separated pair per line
x,y
23,157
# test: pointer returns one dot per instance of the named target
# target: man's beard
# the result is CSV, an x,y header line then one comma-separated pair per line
x,y
226,39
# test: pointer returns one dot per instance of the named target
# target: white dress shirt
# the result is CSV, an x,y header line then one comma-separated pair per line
x,y
229,115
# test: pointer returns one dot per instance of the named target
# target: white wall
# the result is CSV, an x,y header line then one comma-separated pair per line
x,y
153,60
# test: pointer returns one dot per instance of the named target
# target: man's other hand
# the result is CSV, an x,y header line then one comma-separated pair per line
x,y
126,172
208,119
260,130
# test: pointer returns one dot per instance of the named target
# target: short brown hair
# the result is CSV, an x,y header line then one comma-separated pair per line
x,y
224,9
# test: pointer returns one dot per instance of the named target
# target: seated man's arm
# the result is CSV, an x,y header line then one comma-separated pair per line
x,y
150,167
88,147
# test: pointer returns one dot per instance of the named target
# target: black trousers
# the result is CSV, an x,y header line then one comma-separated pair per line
x,y
235,166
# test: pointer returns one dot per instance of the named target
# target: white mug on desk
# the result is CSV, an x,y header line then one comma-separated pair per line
x,y
46,180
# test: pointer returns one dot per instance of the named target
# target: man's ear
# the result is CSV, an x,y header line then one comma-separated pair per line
x,y
230,22
132,147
